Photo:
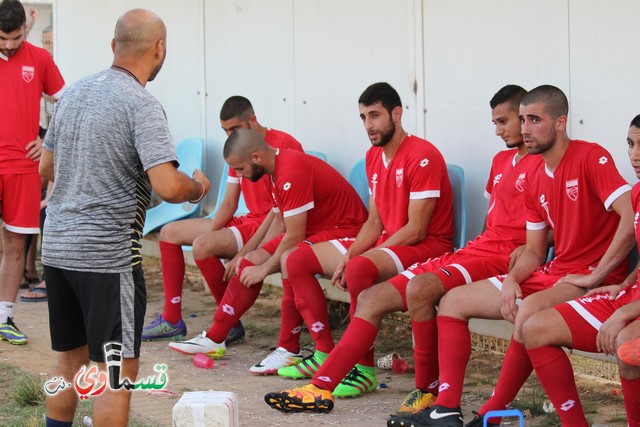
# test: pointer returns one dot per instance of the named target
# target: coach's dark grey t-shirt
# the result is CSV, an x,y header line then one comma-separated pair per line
x,y
107,131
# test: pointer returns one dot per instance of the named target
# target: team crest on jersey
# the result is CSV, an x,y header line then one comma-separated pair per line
x,y
399,176
572,189
28,73
520,182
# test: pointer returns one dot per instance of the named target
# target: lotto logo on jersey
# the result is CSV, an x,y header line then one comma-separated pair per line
x,y
496,179
286,186
635,220
572,189
28,73
520,182
424,162
603,160
399,176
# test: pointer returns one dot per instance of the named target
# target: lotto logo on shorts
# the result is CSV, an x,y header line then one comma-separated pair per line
x,y
568,405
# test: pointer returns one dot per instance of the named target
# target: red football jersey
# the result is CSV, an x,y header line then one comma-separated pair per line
x,y
257,195
304,183
575,201
506,217
24,76
417,171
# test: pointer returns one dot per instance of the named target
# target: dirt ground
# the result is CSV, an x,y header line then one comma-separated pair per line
x,y
262,323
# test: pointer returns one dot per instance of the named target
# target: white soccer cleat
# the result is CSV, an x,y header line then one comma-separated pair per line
x,y
200,344
279,358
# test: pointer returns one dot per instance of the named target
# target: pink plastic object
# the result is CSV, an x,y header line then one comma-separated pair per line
x,y
399,365
203,361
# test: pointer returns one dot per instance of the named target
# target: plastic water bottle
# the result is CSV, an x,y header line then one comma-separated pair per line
x,y
201,360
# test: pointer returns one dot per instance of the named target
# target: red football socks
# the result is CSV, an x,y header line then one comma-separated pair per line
x,y
172,261
213,270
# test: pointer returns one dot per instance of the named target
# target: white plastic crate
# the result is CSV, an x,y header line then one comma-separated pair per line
x,y
206,409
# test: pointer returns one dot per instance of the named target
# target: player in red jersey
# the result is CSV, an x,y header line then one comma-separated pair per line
x,y
26,72
485,256
220,237
576,180
312,203
410,219
601,321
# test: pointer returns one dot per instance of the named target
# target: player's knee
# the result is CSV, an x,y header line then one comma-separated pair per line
x,y
296,261
360,274
368,305
169,232
454,303
534,331
423,290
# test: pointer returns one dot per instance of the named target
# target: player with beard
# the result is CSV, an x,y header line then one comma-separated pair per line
x,y
419,288
577,180
312,203
410,220
217,238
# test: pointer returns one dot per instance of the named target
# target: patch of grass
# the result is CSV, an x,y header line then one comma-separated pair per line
x,y
531,398
28,391
22,401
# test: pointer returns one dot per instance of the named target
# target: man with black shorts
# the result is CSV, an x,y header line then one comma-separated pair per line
x,y
107,146
26,72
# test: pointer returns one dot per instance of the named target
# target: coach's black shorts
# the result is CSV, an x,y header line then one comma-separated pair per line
x,y
95,308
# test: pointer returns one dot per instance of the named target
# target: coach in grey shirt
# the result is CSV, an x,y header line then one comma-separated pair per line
x,y
108,144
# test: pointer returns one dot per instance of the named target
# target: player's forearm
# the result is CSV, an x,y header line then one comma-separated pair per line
x,y
223,215
366,238
407,236
527,263
618,251
290,239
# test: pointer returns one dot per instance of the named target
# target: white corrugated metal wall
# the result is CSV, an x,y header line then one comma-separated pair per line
x,y
303,64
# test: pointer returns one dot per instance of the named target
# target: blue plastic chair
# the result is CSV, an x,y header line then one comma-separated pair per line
x,y
358,179
502,414
190,153
317,154
456,177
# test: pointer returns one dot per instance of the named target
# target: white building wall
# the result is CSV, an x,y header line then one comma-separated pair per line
x,y
303,63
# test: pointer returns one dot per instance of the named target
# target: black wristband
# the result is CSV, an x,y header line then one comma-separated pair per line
x,y
42,132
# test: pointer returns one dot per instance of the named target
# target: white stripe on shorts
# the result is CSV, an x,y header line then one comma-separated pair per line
x,y
395,259
238,236
338,246
590,318
463,271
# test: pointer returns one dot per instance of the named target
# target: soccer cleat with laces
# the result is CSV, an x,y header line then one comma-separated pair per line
x,y
235,334
160,329
629,352
306,368
302,399
10,332
437,415
417,400
279,358
361,379
200,344
478,421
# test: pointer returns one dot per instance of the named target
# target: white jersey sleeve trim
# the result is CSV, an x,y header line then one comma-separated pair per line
x,y
614,196
429,194
59,93
299,210
536,225
275,209
233,180
487,195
